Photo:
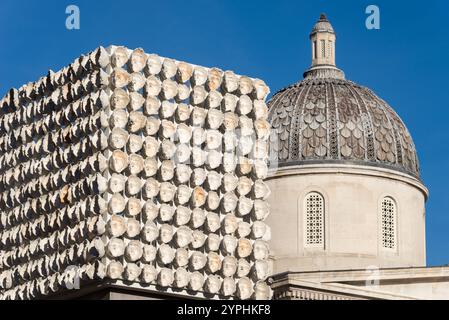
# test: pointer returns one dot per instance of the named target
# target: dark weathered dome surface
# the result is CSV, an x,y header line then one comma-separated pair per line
x,y
329,119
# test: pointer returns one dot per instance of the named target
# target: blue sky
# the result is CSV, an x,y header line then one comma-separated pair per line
x,y
405,62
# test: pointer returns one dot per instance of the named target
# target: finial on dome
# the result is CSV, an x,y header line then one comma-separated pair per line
x,y
323,40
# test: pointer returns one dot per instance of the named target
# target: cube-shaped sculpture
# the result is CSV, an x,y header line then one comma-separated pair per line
x,y
135,169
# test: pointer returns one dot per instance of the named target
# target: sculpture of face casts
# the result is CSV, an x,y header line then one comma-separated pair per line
x,y
182,216
114,270
184,72
118,119
228,287
183,194
230,201
117,203
119,57
118,161
244,105
149,274
198,239
169,89
212,222
245,206
230,81
166,212
244,288
116,247
154,64
245,85
259,229
151,147
168,110
167,192
183,172
167,170
151,188
133,185
261,250
213,242
196,281
132,228
230,224
261,89
132,272
182,257
199,176
213,200
244,229
166,254
184,133
183,153
133,251
119,99
199,76
213,262
118,138
150,210
198,260
198,197
261,209
243,268
133,207
198,115
137,121
244,186
262,291
168,149
214,159
229,244
135,164
117,183
262,129
229,162
183,236
165,277
198,218
261,169
183,110
229,266
149,253
261,190
213,180
150,231
152,127
213,284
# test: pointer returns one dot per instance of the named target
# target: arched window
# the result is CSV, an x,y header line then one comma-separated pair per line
x,y
388,219
314,220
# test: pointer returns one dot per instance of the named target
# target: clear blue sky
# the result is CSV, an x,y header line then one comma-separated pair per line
x,y
406,62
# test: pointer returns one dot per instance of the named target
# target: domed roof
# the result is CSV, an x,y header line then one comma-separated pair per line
x,y
325,118
322,25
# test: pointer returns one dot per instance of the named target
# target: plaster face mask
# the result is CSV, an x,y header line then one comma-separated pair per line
x,y
198,260
150,231
166,212
244,229
199,76
198,217
134,185
149,253
260,250
116,226
115,270
229,266
133,207
243,268
132,228
151,188
150,167
165,277
183,173
213,221
260,269
183,194
167,192
119,99
119,161
182,278
229,244
231,82
183,236
166,254
182,257
196,281
154,64
116,247
244,248
214,79
259,229
167,170
228,287
214,117
117,203
245,288
151,147
135,164
151,210
117,183
230,224
134,251
149,274
214,262
198,239
213,242
182,215
213,284
166,234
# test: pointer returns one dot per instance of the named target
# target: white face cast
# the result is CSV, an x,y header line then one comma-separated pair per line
x,y
182,257
150,231
166,233
228,286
